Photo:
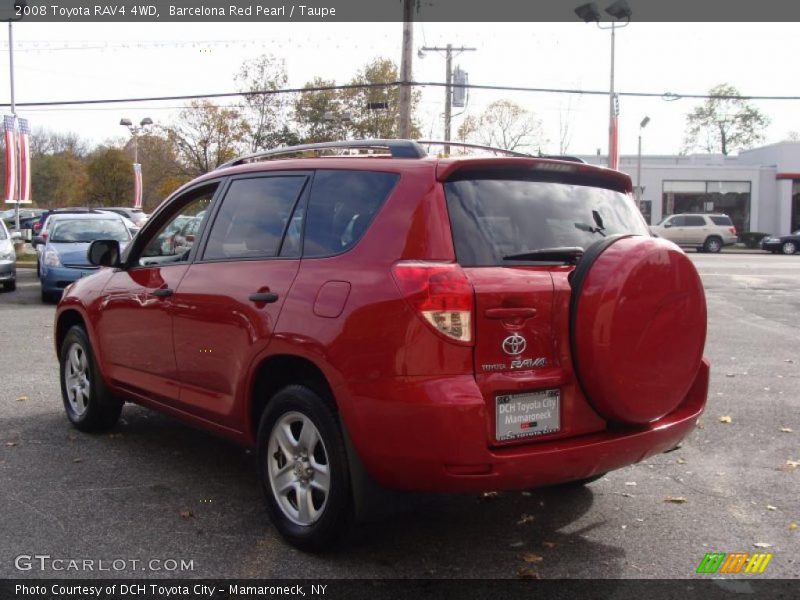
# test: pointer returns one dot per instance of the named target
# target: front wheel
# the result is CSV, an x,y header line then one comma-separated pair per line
x,y
789,248
303,469
89,405
713,244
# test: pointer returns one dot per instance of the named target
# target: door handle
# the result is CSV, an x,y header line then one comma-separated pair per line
x,y
510,313
266,297
162,293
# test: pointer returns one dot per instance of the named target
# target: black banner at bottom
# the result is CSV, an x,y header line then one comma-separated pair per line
x,y
400,589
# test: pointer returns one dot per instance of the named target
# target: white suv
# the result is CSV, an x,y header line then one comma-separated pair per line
x,y
707,233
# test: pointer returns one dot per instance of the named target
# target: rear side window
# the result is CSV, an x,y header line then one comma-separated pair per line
x,y
253,216
341,208
496,218
722,220
694,221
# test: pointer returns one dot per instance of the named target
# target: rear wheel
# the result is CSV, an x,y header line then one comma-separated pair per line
x,y
10,286
89,405
788,248
713,244
302,466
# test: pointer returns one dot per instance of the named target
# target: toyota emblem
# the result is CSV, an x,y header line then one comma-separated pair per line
x,y
514,345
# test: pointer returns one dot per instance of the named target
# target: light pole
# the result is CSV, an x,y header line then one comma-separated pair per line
x,y
642,125
448,94
136,130
22,4
619,10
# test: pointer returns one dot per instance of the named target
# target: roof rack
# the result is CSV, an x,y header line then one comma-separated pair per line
x,y
397,149
563,157
476,146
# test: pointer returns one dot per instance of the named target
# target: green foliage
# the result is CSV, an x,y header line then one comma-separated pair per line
x,y
110,177
59,180
724,122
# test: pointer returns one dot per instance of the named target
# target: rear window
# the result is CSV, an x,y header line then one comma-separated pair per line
x,y
493,218
722,220
341,207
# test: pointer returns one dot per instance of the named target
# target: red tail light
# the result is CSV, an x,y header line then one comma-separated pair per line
x,y
441,294
44,236
732,230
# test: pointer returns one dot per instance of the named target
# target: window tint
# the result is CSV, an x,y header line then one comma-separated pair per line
x,y
174,240
252,218
341,208
678,221
496,218
722,221
694,221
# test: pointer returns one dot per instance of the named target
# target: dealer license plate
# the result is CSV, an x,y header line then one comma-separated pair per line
x,y
527,415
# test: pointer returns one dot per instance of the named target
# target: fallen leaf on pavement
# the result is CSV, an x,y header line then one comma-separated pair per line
x,y
11,444
725,419
786,430
77,460
789,360
525,519
525,573
516,545
789,463
530,557
490,496
675,499
770,507
630,483
729,375
22,398
681,461
550,545
627,495
187,514
762,545
115,435
792,526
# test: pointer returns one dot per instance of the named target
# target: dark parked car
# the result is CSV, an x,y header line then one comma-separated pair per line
x,y
439,324
786,244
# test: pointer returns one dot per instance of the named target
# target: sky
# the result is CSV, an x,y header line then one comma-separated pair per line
x,y
83,61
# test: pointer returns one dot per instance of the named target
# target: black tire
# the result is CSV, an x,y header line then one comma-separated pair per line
x,y
101,409
336,506
9,286
49,297
788,248
713,244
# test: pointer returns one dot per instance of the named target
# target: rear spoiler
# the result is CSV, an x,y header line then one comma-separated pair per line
x,y
448,168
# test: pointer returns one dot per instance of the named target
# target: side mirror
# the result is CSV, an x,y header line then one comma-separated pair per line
x,y
667,225
104,253
16,235
37,240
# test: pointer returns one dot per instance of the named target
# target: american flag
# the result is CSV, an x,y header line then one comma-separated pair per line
x,y
10,126
24,161
613,137
137,185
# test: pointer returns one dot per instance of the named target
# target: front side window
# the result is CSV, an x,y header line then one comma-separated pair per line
x,y
253,216
68,231
174,240
496,217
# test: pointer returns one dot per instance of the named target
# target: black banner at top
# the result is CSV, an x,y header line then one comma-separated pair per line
x,y
266,11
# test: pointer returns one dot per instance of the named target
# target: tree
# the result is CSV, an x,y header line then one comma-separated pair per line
x,y
110,177
43,141
207,135
321,116
504,124
268,115
724,122
162,172
59,180
374,109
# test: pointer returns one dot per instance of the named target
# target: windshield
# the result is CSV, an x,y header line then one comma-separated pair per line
x,y
88,230
496,221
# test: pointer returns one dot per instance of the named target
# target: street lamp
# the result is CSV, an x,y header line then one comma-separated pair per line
x,y
620,11
21,4
642,125
136,130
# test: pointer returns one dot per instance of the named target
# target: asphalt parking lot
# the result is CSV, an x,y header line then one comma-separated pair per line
x,y
154,489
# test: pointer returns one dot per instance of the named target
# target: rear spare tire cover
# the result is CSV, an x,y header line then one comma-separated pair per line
x,y
638,327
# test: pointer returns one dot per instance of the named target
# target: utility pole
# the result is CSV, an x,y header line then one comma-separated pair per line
x,y
448,94
405,69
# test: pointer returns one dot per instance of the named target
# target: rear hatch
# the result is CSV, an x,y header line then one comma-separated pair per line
x,y
519,226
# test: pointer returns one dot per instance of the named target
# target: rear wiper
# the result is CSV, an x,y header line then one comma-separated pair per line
x,y
567,254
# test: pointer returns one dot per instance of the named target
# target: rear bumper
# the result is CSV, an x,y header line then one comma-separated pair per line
x,y
8,270
431,436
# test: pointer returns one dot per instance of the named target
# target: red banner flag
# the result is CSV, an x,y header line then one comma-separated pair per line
x,y
613,137
10,126
24,161
137,185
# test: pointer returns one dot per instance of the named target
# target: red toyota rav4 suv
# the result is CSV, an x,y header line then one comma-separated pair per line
x,y
439,324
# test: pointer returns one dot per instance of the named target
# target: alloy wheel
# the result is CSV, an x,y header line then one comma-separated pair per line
x,y
76,379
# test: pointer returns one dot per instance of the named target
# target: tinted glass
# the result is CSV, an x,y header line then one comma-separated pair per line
x,y
722,221
88,230
341,208
174,240
2,232
694,221
493,218
253,217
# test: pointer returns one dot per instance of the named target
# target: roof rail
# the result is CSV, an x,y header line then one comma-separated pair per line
x,y
397,149
476,146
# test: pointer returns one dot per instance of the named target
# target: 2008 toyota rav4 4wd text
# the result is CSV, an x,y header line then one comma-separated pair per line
x,y
437,324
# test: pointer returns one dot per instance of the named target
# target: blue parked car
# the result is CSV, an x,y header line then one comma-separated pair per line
x,y
64,256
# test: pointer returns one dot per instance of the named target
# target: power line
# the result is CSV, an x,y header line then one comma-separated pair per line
x,y
507,88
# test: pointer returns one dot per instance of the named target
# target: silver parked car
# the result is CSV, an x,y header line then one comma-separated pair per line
x,y
8,258
706,232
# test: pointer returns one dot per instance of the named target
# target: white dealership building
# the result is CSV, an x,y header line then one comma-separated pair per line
x,y
759,189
